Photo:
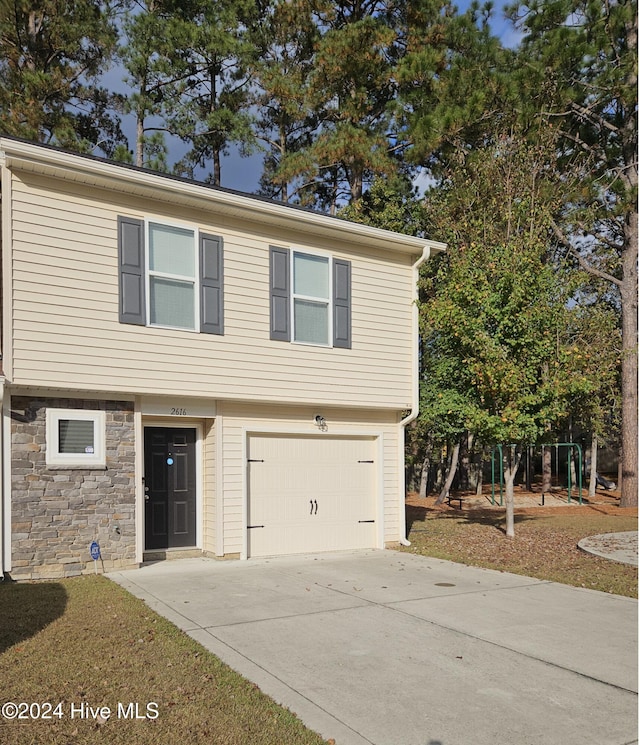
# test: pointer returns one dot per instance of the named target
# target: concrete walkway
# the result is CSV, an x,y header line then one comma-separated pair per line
x,y
621,547
391,648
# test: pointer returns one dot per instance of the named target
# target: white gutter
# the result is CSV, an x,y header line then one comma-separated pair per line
x,y
5,484
415,383
5,546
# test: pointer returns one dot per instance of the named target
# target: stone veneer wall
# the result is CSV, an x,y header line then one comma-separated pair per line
x,y
57,511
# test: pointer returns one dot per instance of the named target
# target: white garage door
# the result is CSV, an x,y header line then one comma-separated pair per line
x,y
311,494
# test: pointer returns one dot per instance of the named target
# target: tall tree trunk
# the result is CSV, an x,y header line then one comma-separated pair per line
x,y
424,475
140,141
465,460
511,459
546,470
629,302
440,474
480,472
284,184
216,167
629,293
571,464
593,468
355,184
571,455
450,475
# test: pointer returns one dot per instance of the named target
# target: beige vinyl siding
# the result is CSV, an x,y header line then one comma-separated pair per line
x,y
239,418
65,311
209,486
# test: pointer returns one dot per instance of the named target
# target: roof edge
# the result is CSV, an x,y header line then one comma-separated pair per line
x,y
20,152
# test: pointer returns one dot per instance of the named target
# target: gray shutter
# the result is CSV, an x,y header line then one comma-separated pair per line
x,y
280,291
342,303
211,285
131,268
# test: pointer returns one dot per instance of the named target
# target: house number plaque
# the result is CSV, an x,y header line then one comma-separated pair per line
x,y
191,407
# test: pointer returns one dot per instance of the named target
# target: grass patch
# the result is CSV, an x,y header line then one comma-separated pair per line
x,y
544,546
88,640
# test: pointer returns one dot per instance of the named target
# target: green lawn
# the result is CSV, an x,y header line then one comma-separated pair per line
x,y
544,546
87,641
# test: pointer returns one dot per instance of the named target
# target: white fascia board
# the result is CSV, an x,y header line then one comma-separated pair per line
x,y
84,169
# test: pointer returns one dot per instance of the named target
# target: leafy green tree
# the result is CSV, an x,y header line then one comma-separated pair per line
x,y
497,305
578,72
596,337
391,204
448,404
52,56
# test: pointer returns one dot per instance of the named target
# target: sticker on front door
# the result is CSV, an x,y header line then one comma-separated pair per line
x,y
170,487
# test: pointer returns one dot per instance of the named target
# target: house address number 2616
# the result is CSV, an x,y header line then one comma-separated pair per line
x,y
178,411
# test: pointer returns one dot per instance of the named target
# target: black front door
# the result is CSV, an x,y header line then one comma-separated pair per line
x,y
170,487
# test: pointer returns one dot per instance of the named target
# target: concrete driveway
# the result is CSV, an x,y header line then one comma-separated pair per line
x,y
394,649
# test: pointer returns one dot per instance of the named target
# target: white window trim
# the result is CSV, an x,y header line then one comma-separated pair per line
x,y
97,459
296,296
148,273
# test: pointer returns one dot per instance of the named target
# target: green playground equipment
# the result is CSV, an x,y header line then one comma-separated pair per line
x,y
556,445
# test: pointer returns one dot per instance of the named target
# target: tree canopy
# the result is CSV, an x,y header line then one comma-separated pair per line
x,y
529,151
53,55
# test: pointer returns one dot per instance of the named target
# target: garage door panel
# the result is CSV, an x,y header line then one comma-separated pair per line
x,y
310,494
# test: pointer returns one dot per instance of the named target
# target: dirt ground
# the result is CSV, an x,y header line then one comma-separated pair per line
x,y
527,502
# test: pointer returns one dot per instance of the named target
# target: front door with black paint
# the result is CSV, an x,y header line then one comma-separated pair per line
x,y
170,487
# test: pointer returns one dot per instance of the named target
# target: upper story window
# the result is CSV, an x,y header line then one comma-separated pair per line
x,y
170,276
310,298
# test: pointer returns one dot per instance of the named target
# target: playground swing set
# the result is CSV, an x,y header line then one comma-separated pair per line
x,y
569,445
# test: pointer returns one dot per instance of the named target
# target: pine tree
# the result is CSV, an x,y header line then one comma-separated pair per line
x,y
349,92
156,75
213,112
579,73
52,56
286,40
453,83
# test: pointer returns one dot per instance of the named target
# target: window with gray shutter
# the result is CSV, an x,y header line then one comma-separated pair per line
x,y
211,285
131,267
301,280
174,266
280,291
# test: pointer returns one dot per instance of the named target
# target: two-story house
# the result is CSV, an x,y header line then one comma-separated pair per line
x,y
186,368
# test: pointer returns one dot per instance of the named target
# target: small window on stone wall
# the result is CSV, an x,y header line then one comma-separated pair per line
x,y
75,438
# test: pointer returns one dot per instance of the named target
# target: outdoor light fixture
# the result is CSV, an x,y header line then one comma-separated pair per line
x,y
321,422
